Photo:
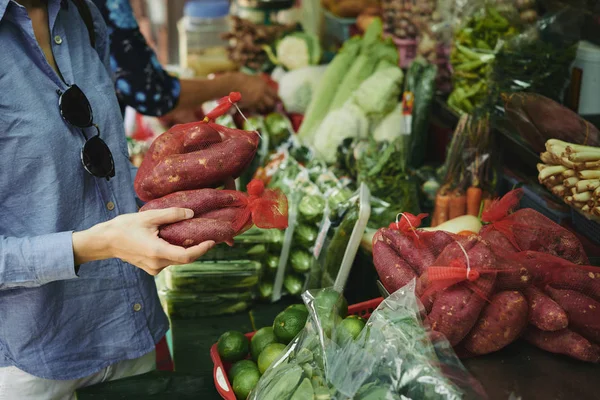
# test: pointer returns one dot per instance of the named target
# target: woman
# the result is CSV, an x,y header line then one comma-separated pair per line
x,y
78,303
143,84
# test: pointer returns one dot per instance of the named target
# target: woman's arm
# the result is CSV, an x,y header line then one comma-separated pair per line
x,y
142,83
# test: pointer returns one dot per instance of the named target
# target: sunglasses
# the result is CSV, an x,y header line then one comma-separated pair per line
x,y
96,157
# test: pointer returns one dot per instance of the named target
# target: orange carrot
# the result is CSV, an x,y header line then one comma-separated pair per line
x,y
487,202
466,233
458,205
473,200
442,207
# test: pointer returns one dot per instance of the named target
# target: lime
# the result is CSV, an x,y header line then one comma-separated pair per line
x,y
269,355
239,367
245,382
328,300
232,346
261,339
288,324
298,307
349,329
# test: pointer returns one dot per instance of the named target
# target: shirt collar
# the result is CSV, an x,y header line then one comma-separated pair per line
x,y
64,4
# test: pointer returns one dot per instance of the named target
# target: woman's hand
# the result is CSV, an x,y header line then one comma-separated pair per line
x,y
257,93
134,238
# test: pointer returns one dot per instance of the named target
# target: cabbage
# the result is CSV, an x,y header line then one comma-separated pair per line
x,y
391,127
296,87
346,122
298,50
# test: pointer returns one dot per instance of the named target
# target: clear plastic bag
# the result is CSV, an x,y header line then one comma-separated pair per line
x,y
395,356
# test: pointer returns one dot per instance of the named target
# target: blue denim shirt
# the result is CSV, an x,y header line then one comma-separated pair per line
x,y
55,324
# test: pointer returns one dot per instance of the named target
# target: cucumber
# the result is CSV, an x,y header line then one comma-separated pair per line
x,y
305,235
293,284
272,262
337,247
311,207
212,276
301,261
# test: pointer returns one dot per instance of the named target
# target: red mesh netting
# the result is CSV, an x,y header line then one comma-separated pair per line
x,y
528,230
220,215
195,156
483,292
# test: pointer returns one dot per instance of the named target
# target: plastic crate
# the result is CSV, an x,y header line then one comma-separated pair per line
x,y
586,226
221,368
338,29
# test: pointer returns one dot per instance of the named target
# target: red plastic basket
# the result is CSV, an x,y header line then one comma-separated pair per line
x,y
221,368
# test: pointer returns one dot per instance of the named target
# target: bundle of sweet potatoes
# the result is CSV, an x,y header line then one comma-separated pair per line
x,y
186,163
517,278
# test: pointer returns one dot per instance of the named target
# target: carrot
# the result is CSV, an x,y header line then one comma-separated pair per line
x,y
442,206
458,205
466,233
487,202
474,195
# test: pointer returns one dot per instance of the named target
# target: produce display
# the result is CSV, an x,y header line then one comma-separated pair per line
x,y
572,172
330,355
522,275
408,19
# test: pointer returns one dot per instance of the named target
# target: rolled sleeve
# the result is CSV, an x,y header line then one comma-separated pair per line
x,y
35,261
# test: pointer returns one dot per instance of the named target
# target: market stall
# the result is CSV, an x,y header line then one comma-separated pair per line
x,y
419,217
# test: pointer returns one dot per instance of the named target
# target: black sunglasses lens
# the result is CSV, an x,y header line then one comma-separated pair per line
x,y
76,108
97,158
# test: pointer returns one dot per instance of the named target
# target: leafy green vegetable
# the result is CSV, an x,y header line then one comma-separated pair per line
x,y
378,94
297,50
327,88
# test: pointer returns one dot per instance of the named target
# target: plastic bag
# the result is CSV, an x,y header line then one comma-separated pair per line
x,y
395,356
539,59
338,240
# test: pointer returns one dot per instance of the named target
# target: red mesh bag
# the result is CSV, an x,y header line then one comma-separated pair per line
x,y
195,156
219,215
528,230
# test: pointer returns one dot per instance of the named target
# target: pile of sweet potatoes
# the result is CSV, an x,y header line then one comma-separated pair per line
x,y
182,168
485,291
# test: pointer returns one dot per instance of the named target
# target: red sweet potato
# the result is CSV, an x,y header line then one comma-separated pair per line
x,y
513,278
194,231
200,201
455,312
564,342
417,257
583,312
392,269
545,313
200,169
199,136
499,324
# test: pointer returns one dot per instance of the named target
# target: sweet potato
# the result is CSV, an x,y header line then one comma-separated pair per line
x,y
200,201
564,342
416,256
499,324
513,278
200,169
194,156
583,312
455,312
392,269
194,231
545,313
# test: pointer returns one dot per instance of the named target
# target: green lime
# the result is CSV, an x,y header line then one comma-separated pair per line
x,y
245,382
298,307
269,355
328,300
288,324
233,346
349,329
239,367
261,339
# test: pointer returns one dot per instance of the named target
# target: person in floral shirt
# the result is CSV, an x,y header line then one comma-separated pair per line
x,y
143,84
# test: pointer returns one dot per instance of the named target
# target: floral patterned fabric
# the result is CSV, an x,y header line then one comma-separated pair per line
x,y
141,82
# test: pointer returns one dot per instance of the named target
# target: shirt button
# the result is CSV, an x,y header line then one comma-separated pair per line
x,y
137,307
57,39
110,205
